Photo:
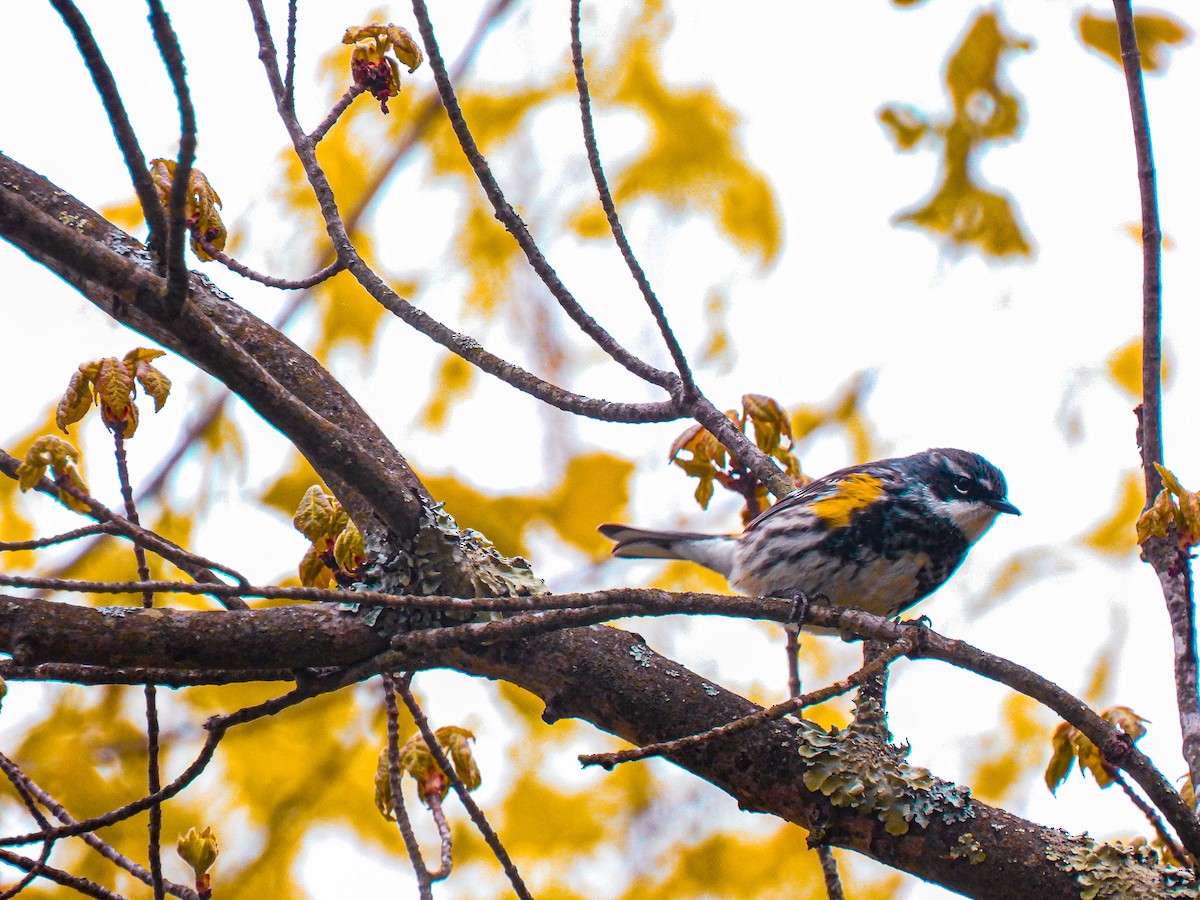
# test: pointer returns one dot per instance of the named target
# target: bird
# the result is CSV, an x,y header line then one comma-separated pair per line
x,y
879,536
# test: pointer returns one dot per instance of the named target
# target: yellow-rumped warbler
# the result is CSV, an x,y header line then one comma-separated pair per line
x,y
879,536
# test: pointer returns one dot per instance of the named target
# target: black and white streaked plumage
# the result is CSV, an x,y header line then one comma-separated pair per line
x,y
878,536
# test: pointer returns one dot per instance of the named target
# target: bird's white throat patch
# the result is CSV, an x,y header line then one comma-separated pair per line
x,y
973,517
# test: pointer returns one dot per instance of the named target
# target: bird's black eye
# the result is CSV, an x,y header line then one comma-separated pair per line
x,y
962,485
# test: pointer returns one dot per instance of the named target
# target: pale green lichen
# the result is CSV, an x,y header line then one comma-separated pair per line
x,y
968,848
1120,870
853,769
443,559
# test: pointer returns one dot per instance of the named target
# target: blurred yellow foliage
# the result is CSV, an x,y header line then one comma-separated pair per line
x,y
985,111
594,488
1124,368
1117,535
1155,33
692,161
1005,755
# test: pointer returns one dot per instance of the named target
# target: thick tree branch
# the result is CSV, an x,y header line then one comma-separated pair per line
x,y
285,385
610,678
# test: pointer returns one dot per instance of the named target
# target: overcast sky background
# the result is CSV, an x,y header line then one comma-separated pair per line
x,y
966,353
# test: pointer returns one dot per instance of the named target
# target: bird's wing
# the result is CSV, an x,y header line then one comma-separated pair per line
x,y
818,489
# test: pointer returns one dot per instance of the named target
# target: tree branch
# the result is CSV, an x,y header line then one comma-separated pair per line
x,y
1171,565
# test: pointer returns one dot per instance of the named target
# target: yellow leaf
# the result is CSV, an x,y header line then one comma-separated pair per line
x,y
417,761
348,548
350,317
1063,758
383,787
1185,509
154,382
1155,32
405,47
200,206
770,421
313,572
489,255
315,515
77,399
1157,520
594,488
202,216
53,453
114,392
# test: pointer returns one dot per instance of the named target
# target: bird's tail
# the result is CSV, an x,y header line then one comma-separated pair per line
x,y
713,551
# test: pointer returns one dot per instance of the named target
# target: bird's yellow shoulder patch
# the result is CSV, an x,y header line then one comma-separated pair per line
x,y
854,492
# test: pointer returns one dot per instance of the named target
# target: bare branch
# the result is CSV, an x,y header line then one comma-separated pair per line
x,y
153,776
118,119
283,284
424,880
198,567
82,885
516,227
65,537
1171,565
1151,815
610,209
829,869
172,57
335,113
289,78
464,795
25,783
902,647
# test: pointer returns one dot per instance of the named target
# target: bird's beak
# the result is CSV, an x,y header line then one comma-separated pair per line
x,y
1003,506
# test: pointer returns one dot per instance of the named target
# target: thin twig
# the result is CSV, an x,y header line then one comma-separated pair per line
x,y
418,124
289,78
24,783
1151,414
76,883
65,537
610,209
1151,815
515,226
446,866
153,776
460,344
283,284
216,727
335,113
829,869
118,119
468,802
15,775
424,881
1171,565
172,57
792,649
75,673
198,567
793,704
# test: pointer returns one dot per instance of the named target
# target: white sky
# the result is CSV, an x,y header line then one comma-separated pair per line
x,y
966,354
